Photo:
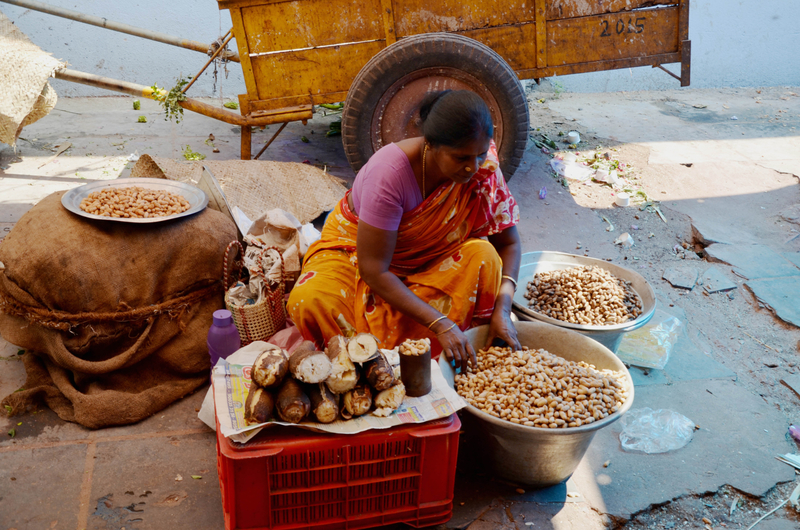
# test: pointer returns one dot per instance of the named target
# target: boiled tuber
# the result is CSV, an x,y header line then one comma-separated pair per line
x,y
292,403
259,406
270,367
379,373
324,403
309,365
344,374
357,401
389,400
362,348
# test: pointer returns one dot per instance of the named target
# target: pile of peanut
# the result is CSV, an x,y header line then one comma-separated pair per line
x,y
584,295
415,347
539,389
134,202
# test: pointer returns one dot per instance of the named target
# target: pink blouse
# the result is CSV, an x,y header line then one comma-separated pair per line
x,y
385,188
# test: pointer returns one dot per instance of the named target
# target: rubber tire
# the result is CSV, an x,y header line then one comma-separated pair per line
x,y
429,50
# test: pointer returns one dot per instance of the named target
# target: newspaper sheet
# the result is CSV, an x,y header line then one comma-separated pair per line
x,y
232,382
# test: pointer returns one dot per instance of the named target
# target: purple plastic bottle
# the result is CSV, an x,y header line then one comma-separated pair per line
x,y
794,431
223,337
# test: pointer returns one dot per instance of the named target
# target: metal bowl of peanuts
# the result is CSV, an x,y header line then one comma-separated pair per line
x,y
592,296
532,413
135,200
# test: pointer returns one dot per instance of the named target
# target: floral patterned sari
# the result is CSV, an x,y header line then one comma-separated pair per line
x,y
439,256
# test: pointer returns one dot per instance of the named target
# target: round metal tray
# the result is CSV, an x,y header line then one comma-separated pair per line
x,y
196,197
533,262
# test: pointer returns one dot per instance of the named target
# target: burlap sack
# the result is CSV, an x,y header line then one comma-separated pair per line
x,y
25,69
114,315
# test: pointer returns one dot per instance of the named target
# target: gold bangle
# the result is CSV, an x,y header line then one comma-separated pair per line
x,y
430,326
445,331
507,277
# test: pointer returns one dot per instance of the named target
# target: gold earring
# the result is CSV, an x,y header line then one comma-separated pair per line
x,y
468,169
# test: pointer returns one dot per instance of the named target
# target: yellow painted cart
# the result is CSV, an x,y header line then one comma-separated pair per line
x,y
381,56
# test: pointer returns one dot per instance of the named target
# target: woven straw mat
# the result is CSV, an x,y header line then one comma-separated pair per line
x,y
256,186
24,71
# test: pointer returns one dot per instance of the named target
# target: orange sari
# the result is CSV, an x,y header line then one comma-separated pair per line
x,y
439,256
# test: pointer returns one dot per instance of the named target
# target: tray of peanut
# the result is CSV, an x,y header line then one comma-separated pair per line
x,y
135,200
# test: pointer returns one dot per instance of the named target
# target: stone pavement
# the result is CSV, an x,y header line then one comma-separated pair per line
x,y
774,278
55,474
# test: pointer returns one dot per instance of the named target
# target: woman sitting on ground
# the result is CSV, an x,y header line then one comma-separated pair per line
x,y
401,256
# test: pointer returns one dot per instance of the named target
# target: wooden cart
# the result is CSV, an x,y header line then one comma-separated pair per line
x,y
381,56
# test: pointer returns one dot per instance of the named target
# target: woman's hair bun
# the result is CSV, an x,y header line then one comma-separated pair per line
x,y
454,118
429,101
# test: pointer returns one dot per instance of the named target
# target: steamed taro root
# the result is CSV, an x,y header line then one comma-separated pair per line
x,y
259,406
270,367
324,403
344,374
358,401
379,373
292,403
362,348
309,365
389,400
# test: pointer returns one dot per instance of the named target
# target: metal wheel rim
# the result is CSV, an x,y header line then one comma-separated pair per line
x,y
396,116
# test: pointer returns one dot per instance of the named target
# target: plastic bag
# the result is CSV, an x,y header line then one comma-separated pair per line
x,y
655,431
571,170
279,228
651,345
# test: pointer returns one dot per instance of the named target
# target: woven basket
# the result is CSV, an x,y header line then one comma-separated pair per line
x,y
265,318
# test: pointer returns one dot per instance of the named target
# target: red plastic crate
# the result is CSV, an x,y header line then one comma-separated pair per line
x,y
288,477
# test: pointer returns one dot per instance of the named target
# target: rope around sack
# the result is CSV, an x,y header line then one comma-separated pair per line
x,y
63,320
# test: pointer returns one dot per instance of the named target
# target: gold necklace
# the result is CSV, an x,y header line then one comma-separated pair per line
x,y
424,152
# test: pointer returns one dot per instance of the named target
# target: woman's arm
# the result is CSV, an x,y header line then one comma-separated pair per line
x,y
509,248
375,248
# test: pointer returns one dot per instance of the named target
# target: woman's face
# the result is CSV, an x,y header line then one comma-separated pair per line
x,y
459,164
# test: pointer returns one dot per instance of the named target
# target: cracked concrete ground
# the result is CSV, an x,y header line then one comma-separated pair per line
x,y
729,179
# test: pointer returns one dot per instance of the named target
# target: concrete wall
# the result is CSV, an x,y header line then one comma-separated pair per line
x,y
734,43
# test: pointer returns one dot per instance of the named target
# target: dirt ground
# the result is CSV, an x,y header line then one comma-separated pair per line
x,y
736,330
731,328
744,335
726,508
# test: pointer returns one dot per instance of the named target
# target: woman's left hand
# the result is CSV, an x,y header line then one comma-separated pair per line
x,y
501,327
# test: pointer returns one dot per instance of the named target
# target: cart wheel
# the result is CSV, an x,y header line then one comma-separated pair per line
x,y
382,105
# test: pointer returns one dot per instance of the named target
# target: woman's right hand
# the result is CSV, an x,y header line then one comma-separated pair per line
x,y
456,347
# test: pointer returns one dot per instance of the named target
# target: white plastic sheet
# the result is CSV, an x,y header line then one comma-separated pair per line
x,y
655,431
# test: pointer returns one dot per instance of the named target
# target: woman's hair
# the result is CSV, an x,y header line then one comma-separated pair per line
x,y
454,118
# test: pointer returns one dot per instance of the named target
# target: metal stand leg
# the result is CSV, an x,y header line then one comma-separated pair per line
x,y
686,62
247,135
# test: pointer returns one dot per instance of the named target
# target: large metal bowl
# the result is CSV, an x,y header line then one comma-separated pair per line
x,y
534,456
608,336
